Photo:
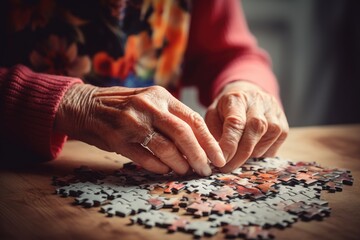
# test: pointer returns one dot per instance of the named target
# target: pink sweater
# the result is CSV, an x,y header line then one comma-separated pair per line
x,y
220,50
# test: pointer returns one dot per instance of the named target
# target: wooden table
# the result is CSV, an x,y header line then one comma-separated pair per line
x,y
30,210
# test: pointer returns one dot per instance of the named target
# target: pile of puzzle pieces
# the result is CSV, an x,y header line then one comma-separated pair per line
x,y
246,203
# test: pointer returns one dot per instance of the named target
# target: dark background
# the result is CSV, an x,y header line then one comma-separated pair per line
x,y
315,51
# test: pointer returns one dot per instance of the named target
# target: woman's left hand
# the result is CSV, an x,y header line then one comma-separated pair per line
x,y
247,122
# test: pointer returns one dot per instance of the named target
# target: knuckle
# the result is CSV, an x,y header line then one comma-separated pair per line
x,y
163,117
258,125
181,130
155,95
274,129
137,100
197,120
158,90
231,100
283,136
234,99
235,123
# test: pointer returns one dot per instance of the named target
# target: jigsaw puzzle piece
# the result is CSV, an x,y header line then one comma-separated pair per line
x,y
201,228
221,208
224,193
155,218
174,187
247,232
178,224
156,203
199,209
249,192
308,211
91,199
118,209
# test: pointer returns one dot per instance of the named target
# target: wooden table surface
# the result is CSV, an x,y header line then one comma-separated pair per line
x,y
30,210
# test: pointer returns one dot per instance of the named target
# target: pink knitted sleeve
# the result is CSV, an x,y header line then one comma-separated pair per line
x,y
221,50
28,106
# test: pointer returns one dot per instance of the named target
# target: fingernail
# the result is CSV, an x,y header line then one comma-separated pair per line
x,y
206,170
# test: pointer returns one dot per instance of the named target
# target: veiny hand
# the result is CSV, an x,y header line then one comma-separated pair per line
x,y
247,122
118,119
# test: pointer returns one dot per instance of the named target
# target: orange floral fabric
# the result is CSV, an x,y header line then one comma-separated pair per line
x,y
132,43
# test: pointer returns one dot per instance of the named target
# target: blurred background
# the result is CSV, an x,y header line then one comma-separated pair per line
x,y
315,50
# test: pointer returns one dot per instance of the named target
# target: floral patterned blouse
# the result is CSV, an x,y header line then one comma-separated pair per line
x,y
132,43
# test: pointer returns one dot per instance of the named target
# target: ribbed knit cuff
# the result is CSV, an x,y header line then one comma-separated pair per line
x,y
248,69
29,104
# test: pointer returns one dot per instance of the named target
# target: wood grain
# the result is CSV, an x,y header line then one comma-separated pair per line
x,y
30,210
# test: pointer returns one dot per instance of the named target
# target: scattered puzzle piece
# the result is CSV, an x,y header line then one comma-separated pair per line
x,y
221,208
156,203
200,209
247,232
91,199
308,211
201,228
263,193
178,224
174,187
224,193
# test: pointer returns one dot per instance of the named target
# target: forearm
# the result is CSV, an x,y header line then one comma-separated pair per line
x,y
225,51
29,102
251,70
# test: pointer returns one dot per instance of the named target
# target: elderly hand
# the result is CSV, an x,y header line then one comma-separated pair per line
x,y
119,119
247,122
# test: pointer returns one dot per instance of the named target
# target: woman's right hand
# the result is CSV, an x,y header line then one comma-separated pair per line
x,y
118,119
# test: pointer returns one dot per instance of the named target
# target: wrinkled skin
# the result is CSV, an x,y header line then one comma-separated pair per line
x,y
118,119
247,122
243,121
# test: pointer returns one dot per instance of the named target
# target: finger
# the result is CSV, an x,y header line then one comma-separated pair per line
x,y
168,153
271,152
140,155
117,91
184,139
233,109
273,132
200,130
213,122
255,128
